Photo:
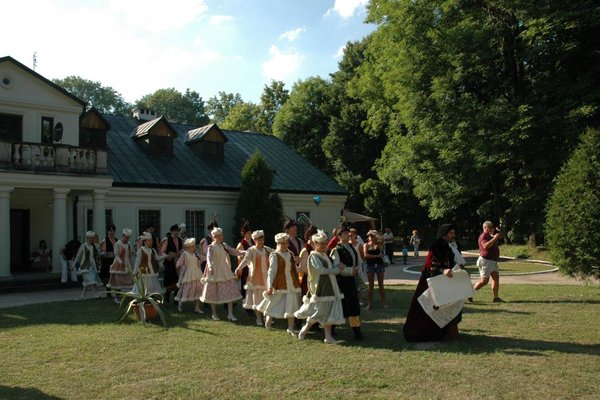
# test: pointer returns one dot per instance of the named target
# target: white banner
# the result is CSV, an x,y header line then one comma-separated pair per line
x,y
444,314
446,290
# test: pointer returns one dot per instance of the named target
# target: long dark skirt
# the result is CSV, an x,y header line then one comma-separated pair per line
x,y
350,302
418,326
105,268
170,278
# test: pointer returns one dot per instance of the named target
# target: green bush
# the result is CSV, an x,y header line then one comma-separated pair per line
x,y
256,204
573,213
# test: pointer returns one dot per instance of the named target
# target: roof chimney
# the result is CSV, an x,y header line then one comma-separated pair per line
x,y
144,114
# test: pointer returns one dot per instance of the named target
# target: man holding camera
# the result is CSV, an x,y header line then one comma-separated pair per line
x,y
489,255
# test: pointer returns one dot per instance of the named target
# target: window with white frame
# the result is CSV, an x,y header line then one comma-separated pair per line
x,y
194,224
151,217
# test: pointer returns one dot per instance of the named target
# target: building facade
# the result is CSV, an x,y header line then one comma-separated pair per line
x,y
65,170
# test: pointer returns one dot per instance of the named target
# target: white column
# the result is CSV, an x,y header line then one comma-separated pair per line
x,y
59,226
69,217
5,231
99,200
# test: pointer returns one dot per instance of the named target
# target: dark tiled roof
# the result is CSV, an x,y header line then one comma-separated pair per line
x,y
144,128
130,165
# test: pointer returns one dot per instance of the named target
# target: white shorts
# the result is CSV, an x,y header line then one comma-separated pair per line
x,y
486,267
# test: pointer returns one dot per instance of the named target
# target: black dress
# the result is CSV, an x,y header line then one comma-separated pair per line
x,y
171,277
419,327
347,284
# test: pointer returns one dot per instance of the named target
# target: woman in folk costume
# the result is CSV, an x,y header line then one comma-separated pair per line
x,y
306,249
204,243
146,265
419,327
122,266
220,285
282,297
256,261
346,258
324,305
244,244
107,254
171,248
190,277
87,262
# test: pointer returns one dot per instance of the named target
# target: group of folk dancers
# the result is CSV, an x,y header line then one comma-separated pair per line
x,y
295,281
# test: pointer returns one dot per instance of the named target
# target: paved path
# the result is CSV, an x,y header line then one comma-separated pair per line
x,y
394,275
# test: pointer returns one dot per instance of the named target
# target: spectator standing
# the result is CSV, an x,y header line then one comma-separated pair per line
x,y
415,241
388,240
489,255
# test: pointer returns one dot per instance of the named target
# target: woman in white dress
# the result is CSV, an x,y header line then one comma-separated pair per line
x,y
323,303
282,297
220,285
87,262
146,265
190,276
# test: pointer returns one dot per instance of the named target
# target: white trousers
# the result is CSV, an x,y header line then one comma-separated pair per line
x,y
66,267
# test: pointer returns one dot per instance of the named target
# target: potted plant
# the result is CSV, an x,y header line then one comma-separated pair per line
x,y
144,305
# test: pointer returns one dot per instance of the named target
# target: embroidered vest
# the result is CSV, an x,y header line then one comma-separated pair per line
x,y
144,264
280,283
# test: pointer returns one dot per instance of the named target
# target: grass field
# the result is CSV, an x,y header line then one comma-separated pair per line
x,y
506,267
543,343
522,251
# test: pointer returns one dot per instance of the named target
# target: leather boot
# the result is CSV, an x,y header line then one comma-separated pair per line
x,y
357,333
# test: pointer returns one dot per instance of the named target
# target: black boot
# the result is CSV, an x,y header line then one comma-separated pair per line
x,y
333,331
167,296
357,333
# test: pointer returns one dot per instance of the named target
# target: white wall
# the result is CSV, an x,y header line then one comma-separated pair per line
x,y
33,99
126,203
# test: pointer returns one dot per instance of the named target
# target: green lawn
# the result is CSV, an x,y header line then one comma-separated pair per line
x,y
506,267
542,344
521,251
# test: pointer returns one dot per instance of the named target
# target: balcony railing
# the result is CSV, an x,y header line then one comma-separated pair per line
x,y
52,158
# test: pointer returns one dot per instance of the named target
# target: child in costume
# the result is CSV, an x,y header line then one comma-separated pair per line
x,y
122,267
190,277
87,262
146,265
282,298
220,285
324,305
257,261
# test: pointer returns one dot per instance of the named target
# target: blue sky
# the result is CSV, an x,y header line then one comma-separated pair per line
x,y
138,46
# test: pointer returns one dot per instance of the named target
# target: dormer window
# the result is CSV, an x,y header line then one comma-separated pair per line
x,y
92,129
208,142
156,136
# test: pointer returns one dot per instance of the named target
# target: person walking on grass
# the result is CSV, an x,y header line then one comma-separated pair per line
x,y
415,241
323,303
87,263
489,255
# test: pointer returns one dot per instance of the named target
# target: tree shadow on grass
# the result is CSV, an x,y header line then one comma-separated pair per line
x,y
389,336
16,393
566,301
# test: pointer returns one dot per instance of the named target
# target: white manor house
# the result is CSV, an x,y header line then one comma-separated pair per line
x,y
66,169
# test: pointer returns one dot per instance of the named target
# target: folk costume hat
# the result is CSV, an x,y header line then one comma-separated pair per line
x,y
319,237
342,228
444,229
289,224
216,231
174,228
258,234
111,227
127,232
311,230
245,228
145,236
282,238
189,242
90,234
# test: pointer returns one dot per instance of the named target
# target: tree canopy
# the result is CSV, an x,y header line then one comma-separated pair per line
x,y
574,211
104,98
185,108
